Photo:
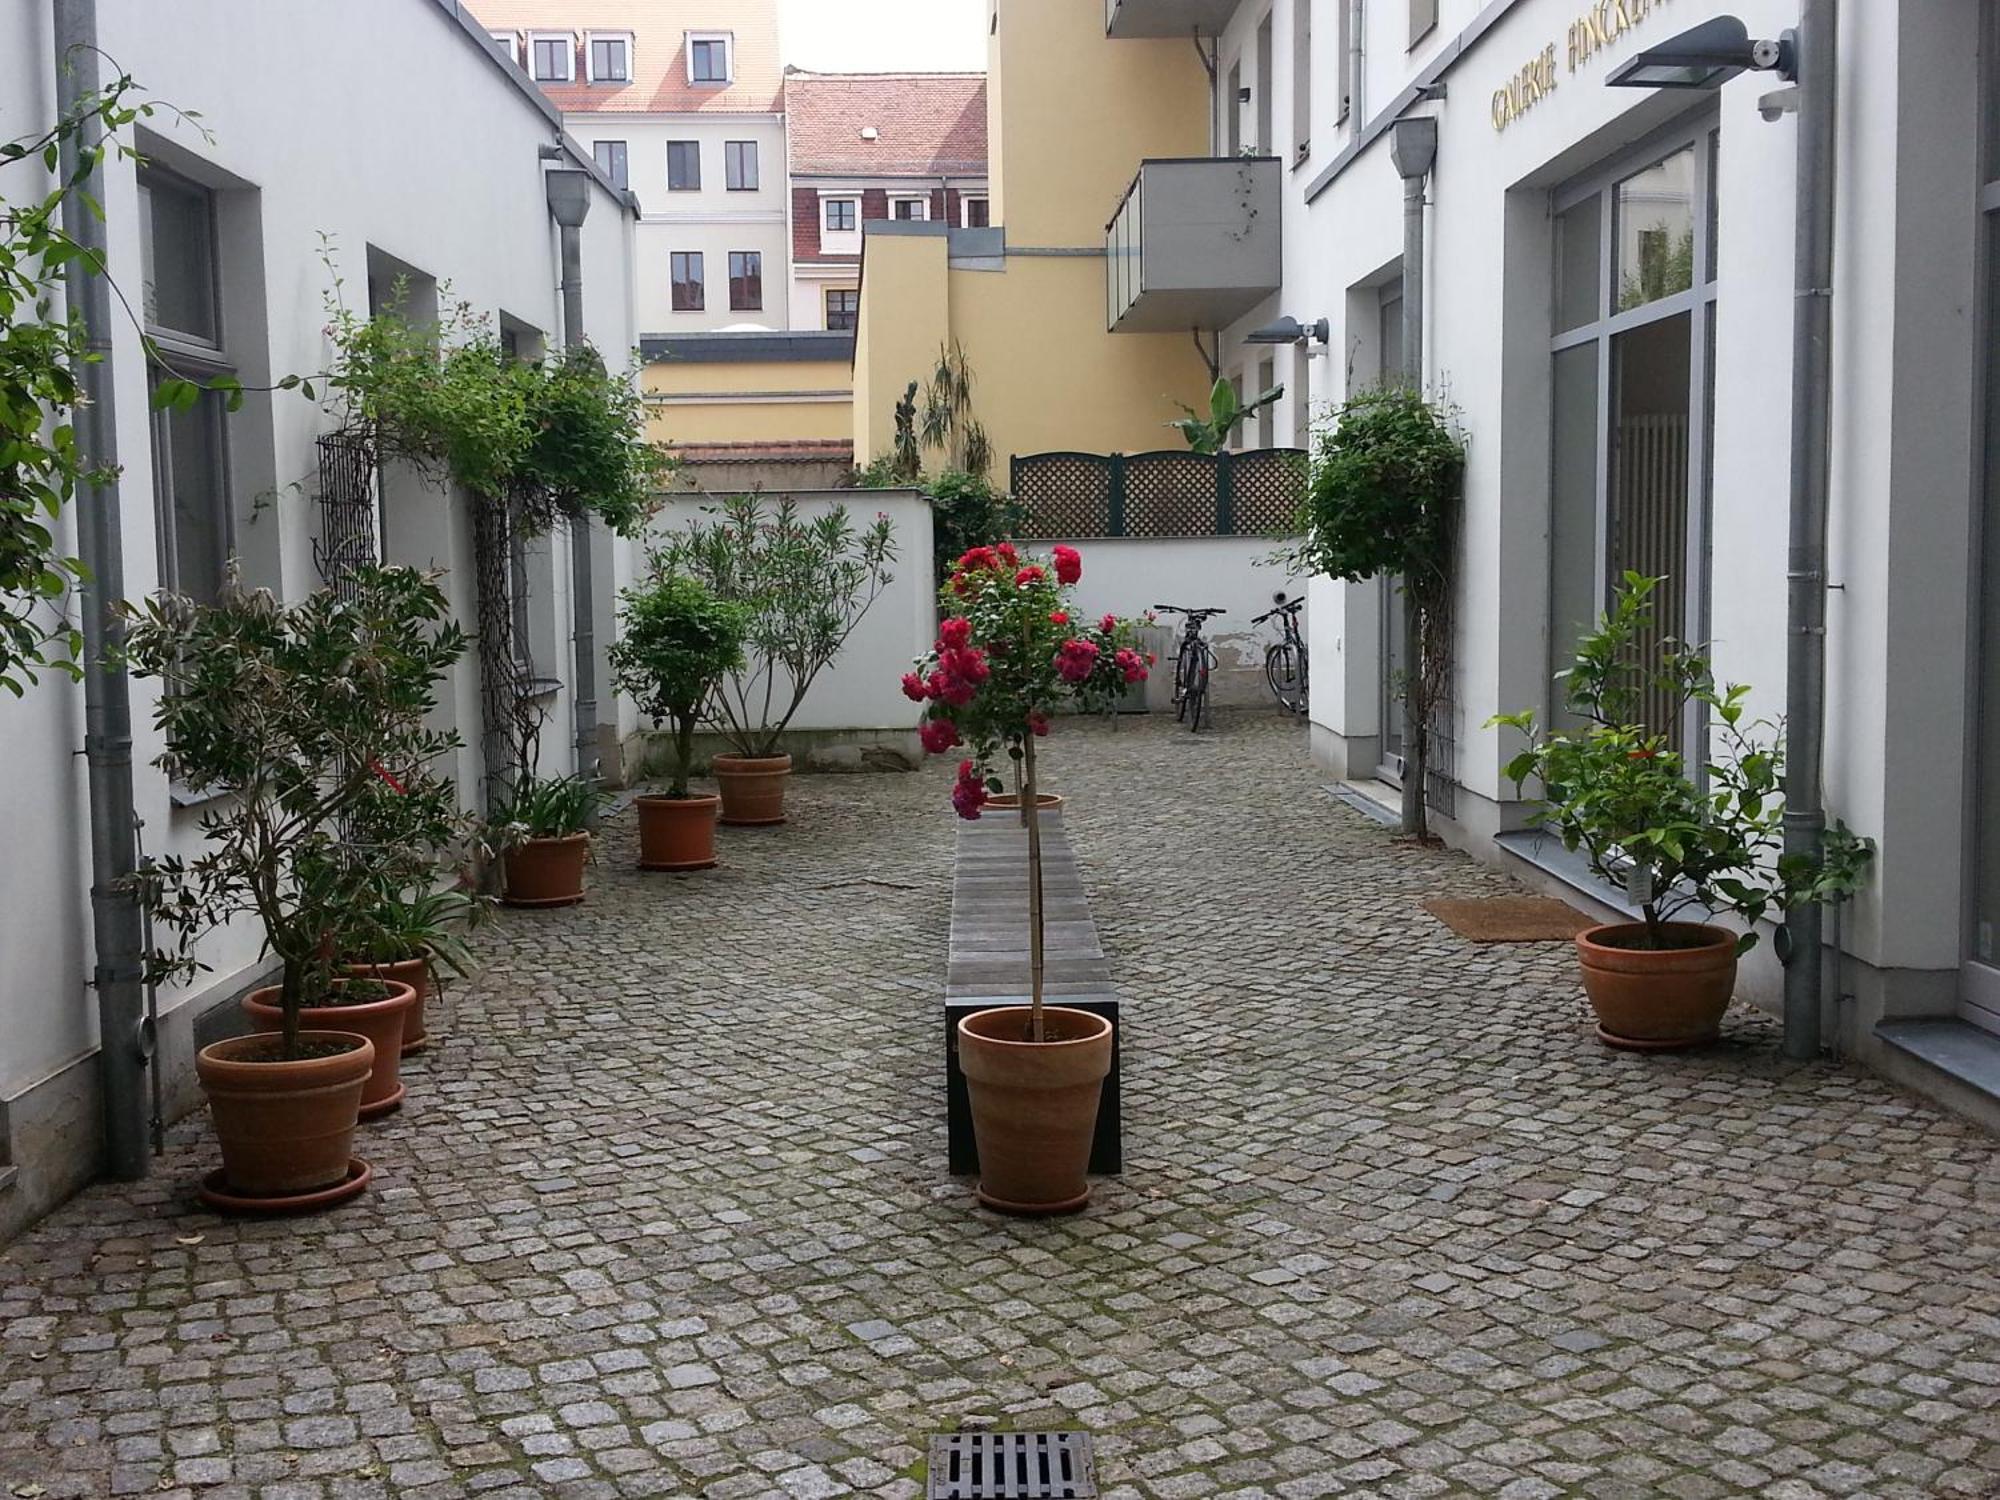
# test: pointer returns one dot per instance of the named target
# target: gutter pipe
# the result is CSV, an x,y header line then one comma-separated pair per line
x,y
568,193
1413,148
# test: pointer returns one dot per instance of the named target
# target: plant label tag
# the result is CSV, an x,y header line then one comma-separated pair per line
x,y
1639,884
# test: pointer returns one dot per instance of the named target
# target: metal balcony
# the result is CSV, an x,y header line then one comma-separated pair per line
x,y
1195,243
1177,18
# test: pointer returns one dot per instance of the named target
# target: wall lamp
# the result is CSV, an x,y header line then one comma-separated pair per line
x,y
1290,331
1706,57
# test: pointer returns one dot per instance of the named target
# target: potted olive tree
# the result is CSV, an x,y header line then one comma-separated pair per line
x,y
678,640
807,583
295,716
1007,660
1616,789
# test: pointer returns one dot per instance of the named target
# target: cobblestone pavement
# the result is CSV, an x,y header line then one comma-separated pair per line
x,y
665,1214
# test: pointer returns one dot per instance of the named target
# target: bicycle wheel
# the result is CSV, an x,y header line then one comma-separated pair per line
x,y
1197,693
1284,670
1186,672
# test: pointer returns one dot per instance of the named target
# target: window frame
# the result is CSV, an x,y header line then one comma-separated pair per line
x,y
734,155
692,260
826,202
568,39
623,39
919,200
853,314
724,39
621,174
1423,21
511,41
694,148
746,276
965,202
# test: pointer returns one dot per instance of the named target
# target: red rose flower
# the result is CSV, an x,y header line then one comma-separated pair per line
x,y
1075,660
1129,664
1039,724
938,735
955,632
1006,553
1109,624
968,793
1059,617
914,688
1028,575
1069,564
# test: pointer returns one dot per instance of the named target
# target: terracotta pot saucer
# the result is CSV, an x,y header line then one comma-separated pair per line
x,y
214,1191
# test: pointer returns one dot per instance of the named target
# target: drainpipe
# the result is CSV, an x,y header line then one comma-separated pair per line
x,y
1812,373
569,201
117,927
1413,149
1357,67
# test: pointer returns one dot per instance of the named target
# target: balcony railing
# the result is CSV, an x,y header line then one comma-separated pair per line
x,y
1194,244
1141,18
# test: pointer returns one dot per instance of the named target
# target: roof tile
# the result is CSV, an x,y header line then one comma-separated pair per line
x,y
926,124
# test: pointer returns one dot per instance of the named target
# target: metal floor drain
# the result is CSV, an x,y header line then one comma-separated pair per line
x,y
1011,1466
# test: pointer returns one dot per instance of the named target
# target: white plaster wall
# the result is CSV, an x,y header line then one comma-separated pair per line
x,y
862,689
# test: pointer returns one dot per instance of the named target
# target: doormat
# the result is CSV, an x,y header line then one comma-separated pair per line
x,y
1509,919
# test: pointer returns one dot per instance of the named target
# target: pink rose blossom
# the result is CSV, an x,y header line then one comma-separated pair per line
x,y
914,688
938,735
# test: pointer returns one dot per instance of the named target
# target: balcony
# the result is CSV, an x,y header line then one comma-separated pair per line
x,y
1195,244
1178,18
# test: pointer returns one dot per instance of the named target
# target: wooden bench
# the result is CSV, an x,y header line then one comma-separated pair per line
x,y
988,963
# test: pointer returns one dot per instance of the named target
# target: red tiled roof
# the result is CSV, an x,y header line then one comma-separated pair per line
x,y
927,124
659,52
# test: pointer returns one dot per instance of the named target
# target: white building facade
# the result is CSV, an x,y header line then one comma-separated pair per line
x,y
1608,305
217,242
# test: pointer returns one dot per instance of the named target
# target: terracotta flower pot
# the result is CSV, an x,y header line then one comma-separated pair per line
x,y
545,872
286,1128
1011,801
1658,999
677,833
416,973
380,1021
752,787
1034,1104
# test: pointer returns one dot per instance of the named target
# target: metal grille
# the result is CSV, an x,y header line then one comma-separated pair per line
x,y
1173,494
346,507
1441,759
1266,488
1011,1466
1065,494
1649,536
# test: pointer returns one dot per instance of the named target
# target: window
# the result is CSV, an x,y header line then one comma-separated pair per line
x,y
1423,19
610,58
552,56
975,212
910,209
840,215
746,280
611,157
739,166
1267,126
507,44
189,443
689,294
708,58
1302,94
683,166
843,309
1267,416
1232,111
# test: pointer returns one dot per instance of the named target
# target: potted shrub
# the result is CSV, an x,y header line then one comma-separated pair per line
x,y
408,937
807,584
543,831
1005,663
1615,788
678,640
294,716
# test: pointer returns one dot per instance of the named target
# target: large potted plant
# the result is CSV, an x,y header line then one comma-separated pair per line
x,y
293,717
1005,663
677,642
807,584
1615,788
543,831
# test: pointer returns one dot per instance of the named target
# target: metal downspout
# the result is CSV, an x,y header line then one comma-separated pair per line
x,y
1357,64
1812,371
569,201
117,928
1413,146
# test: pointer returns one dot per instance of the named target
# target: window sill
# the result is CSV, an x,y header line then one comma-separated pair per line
x,y
543,687
189,797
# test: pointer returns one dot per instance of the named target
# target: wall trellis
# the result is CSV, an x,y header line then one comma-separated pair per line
x,y
1166,493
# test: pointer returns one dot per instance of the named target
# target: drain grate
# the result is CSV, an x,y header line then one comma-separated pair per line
x,y
1011,1466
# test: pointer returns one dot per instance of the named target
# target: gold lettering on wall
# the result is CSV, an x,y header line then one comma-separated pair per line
x,y
1601,26
1527,88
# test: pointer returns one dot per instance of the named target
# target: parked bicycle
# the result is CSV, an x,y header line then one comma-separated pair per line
x,y
1193,665
1285,658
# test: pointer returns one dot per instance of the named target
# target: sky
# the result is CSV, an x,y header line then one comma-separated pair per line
x,y
877,36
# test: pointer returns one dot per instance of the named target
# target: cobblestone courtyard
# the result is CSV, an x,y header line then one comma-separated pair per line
x,y
665,1213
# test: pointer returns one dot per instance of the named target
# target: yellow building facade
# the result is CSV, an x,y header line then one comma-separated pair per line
x,y
707,389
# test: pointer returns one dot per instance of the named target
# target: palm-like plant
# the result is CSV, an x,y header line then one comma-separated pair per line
x,y
1212,433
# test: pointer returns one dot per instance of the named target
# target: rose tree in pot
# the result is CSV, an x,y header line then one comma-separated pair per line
x,y
1615,788
807,584
1006,660
297,718
678,640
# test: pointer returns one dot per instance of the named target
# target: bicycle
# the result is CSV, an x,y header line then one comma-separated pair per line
x,y
1192,666
1285,658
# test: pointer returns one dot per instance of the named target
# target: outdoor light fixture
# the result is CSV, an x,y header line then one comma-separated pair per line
x,y
1706,57
1290,331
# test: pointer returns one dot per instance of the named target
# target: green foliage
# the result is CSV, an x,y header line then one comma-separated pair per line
x,y
948,425
308,722
676,643
1382,496
1212,433
551,808
405,924
807,585
968,511
1618,791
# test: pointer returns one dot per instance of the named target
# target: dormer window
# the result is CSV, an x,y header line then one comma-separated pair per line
x,y
507,44
710,57
552,56
609,56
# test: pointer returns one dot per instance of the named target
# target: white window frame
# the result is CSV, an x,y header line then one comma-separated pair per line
x,y
510,43
568,39
965,202
826,228
624,149
590,41
728,40
922,201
